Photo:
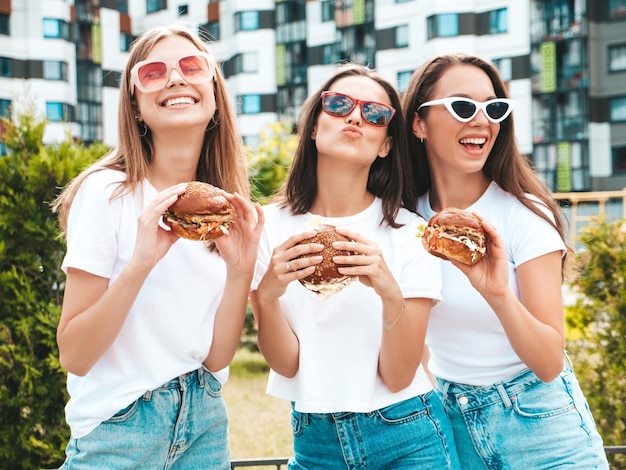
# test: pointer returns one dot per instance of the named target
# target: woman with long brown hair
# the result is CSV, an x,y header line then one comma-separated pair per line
x,y
497,337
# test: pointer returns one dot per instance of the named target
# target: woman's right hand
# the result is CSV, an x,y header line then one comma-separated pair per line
x,y
285,266
154,241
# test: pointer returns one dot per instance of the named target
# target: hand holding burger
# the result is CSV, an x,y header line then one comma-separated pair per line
x,y
455,234
326,281
200,213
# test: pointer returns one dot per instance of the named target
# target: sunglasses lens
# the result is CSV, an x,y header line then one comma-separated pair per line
x,y
376,113
338,105
464,109
152,75
497,109
195,68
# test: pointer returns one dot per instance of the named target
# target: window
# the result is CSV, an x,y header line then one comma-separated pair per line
x,y
498,21
210,31
618,109
53,28
617,8
250,104
247,21
619,159
54,70
125,41
246,62
328,10
183,10
4,24
505,67
5,108
617,58
122,6
402,36
403,80
443,26
57,112
155,5
6,67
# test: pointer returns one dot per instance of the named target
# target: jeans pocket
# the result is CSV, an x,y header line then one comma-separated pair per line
x,y
544,400
297,424
125,413
402,412
210,384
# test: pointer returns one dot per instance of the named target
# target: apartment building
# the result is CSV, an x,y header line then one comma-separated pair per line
x,y
564,62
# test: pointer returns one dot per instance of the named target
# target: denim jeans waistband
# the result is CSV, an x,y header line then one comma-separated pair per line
x,y
182,382
474,396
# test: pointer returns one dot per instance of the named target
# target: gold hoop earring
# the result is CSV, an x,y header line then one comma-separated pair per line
x,y
213,123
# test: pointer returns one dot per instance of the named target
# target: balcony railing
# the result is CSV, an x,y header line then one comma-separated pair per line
x,y
584,206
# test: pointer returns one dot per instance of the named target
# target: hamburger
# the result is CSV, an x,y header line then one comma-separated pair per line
x,y
326,281
200,213
455,234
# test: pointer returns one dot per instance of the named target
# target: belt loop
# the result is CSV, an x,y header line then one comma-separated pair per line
x,y
444,388
147,396
503,395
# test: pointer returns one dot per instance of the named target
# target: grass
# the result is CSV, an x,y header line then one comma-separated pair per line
x,y
260,424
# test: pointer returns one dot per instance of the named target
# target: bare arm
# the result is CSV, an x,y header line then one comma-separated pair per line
x,y
533,323
277,341
93,310
239,250
406,319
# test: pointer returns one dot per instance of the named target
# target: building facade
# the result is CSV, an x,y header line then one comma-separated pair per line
x,y
564,62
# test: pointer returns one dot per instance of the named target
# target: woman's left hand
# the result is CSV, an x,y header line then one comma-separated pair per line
x,y
490,276
240,246
367,263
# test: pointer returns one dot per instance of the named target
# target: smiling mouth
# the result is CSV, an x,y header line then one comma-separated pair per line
x,y
178,101
473,143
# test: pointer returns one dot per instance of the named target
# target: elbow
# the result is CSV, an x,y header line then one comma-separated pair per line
x,y
72,366
549,372
398,384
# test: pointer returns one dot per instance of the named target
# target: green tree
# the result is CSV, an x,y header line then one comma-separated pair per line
x,y
269,162
599,315
33,432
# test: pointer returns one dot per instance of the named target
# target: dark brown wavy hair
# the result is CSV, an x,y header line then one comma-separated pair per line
x,y
388,178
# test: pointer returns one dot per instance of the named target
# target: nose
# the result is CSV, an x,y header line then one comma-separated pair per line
x,y
175,78
355,115
480,119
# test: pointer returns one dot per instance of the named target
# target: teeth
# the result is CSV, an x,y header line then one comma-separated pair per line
x,y
480,141
182,100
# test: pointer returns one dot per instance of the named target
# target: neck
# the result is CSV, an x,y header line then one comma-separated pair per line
x,y
175,160
457,192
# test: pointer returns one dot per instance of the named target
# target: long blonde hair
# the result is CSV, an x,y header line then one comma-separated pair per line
x,y
222,161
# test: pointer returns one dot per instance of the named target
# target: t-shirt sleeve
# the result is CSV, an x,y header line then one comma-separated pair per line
x,y
531,236
91,231
421,271
263,258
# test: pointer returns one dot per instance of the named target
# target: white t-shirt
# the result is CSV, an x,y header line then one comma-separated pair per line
x,y
340,337
169,328
467,341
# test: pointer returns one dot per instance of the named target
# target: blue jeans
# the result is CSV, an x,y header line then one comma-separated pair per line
x,y
180,425
523,423
413,434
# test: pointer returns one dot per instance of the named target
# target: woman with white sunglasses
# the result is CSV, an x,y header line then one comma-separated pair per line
x,y
150,322
350,362
497,338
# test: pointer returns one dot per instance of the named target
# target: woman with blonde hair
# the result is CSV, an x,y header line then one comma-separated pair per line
x,y
150,322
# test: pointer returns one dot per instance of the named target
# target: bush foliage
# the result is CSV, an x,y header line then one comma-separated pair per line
x,y
599,315
33,432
